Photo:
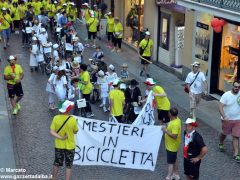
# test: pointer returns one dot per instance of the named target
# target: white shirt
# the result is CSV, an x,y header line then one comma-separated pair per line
x,y
43,38
55,55
197,87
59,83
231,106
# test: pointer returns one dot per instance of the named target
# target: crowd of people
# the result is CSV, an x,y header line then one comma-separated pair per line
x,y
72,80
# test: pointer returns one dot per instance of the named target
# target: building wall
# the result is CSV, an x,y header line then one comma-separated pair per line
x,y
167,57
150,21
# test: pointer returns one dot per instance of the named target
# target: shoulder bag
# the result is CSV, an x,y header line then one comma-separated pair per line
x,y
63,124
186,87
141,50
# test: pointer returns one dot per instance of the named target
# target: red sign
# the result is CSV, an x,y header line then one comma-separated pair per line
x,y
162,2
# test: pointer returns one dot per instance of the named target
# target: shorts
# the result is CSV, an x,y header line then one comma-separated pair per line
x,y
14,90
231,127
163,116
145,62
190,169
91,34
61,154
194,100
171,157
6,33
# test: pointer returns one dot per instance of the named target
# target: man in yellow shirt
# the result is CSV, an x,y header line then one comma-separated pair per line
x,y
117,101
117,34
13,74
145,52
5,27
161,99
110,25
92,24
172,143
86,88
63,128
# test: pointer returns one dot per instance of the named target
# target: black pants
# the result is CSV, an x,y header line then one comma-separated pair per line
x,y
25,38
88,108
110,36
117,41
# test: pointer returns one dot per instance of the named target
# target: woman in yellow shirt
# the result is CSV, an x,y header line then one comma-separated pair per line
x,y
15,15
117,34
86,88
110,25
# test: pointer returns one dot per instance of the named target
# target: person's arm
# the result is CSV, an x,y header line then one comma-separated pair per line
x,y
164,129
20,78
221,111
111,106
203,152
56,135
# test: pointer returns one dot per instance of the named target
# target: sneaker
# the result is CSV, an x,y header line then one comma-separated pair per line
x,y
147,75
236,158
87,45
15,111
104,109
175,177
101,105
119,50
113,50
93,46
89,115
220,147
4,47
18,106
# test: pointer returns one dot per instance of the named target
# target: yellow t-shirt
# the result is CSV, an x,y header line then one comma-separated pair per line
x,y
52,10
92,24
85,77
118,30
37,6
68,129
22,9
15,12
174,126
87,14
162,102
17,71
110,24
72,12
7,20
147,51
4,4
118,98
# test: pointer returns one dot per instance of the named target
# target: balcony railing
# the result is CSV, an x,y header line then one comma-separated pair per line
x,y
233,5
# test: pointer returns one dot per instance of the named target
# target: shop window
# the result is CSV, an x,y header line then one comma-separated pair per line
x,y
164,30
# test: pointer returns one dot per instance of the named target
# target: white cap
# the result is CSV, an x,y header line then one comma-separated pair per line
x,y
64,4
55,46
85,4
75,39
116,82
191,121
34,38
100,73
147,33
150,81
109,13
61,68
72,3
55,68
66,106
111,67
196,63
11,58
55,2
123,86
4,9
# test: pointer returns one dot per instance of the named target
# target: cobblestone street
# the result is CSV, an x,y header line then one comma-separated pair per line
x,y
34,148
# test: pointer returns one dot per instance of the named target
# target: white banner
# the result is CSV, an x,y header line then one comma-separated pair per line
x,y
115,144
146,116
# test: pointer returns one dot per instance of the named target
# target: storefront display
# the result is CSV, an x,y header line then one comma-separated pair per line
x,y
229,56
134,21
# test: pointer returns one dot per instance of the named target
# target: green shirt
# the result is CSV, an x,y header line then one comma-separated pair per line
x,y
147,51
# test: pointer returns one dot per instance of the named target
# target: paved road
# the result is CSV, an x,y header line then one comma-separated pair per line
x,y
34,146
